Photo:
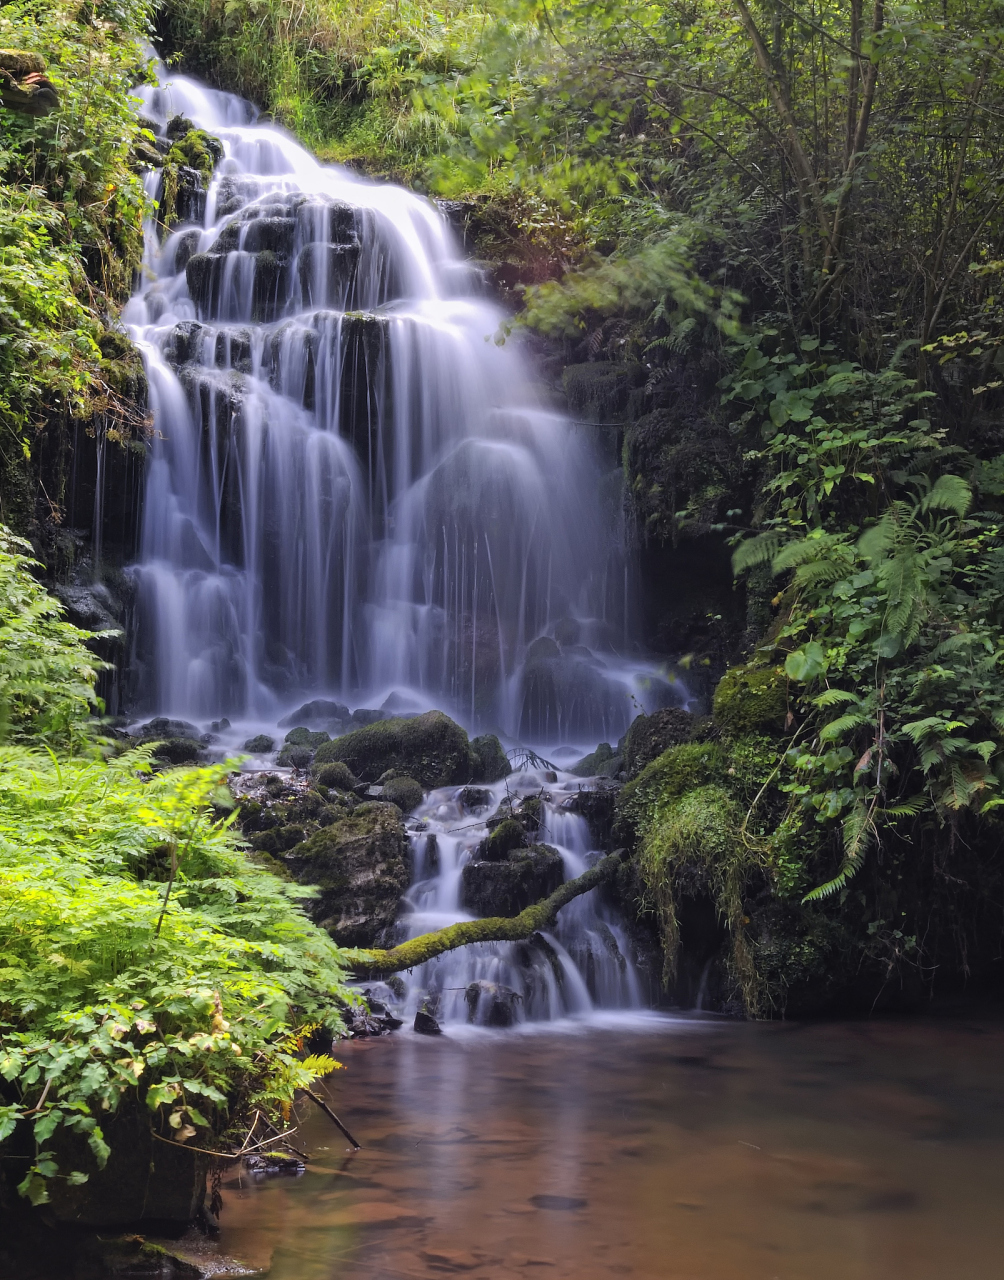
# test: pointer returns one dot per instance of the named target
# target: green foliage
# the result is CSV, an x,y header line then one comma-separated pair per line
x,y
47,674
893,628
113,987
71,210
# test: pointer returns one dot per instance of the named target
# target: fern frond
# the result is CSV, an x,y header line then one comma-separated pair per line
x,y
948,493
754,551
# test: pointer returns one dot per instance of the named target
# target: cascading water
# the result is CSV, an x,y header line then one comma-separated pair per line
x,y
586,963
352,489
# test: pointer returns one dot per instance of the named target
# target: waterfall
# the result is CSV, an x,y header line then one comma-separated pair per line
x,y
353,488
586,964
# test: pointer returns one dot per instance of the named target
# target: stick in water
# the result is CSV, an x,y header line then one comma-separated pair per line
x,y
331,1115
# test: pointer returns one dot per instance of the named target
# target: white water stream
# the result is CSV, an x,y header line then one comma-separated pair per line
x,y
353,491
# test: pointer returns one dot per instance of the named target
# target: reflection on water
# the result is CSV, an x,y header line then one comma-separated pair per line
x,y
653,1148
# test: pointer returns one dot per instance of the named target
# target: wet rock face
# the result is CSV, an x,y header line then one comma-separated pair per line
x,y
359,863
507,888
649,736
430,748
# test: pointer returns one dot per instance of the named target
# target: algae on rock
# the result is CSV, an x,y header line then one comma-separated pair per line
x,y
430,748
359,865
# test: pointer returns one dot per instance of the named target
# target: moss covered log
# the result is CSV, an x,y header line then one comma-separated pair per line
x,y
411,954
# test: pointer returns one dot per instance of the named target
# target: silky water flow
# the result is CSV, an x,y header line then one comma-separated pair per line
x,y
353,491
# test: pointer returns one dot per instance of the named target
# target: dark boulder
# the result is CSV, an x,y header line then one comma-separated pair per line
x,y
430,748
490,1004
426,1024
260,744
651,735
359,864
506,888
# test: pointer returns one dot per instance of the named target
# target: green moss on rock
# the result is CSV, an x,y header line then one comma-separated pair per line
x,y
359,865
751,700
493,763
404,792
336,773
430,748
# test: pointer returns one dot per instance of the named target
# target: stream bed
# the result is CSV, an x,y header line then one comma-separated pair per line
x,y
648,1146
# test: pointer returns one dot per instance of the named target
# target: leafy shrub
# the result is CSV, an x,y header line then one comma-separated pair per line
x,y
47,674
144,955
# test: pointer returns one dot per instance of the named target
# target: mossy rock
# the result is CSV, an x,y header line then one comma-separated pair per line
x,y
21,63
294,757
506,837
335,774
507,888
751,700
430,748
359,865
651,735
604,762
260,744
197,150
303,737
178,751
493,764
680,769
406,793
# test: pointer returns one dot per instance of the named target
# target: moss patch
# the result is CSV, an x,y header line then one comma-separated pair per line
x,y
430,748
751,700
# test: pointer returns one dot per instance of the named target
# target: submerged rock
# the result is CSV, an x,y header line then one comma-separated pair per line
x,y
359,864
430,748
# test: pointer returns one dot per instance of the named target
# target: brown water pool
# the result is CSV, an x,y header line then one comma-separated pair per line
x,y
655,1148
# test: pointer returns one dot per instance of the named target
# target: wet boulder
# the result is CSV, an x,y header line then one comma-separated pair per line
x,y
507,888
507,836
651,735
260,744
430,748
491,1004
321,713
493,764
359,864
426,1024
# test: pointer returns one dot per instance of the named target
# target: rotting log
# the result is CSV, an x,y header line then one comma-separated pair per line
x,y
533,919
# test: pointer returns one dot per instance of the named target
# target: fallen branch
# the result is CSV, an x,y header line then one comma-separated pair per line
x,y
533,919
331,1115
